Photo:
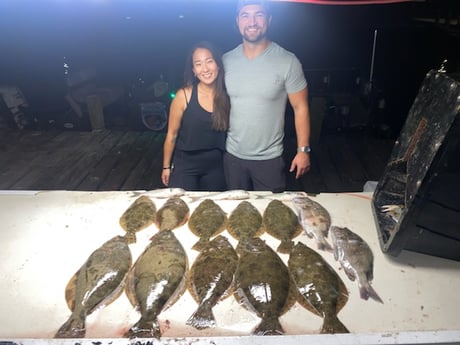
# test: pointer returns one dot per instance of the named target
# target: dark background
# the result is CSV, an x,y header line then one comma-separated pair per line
x,y
128,42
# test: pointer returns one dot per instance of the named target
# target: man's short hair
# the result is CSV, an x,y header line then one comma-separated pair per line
x,y
263,3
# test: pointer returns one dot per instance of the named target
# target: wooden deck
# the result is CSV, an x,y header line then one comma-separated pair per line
x,y
111,160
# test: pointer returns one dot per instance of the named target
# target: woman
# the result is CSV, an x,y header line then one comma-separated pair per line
x,y
198,121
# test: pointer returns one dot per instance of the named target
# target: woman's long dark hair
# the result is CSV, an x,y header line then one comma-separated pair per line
x,y
221,106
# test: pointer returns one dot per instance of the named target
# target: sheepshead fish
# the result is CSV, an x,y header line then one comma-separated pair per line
x,y
173,214
315,220
245,222
138,216
210,279
356,258
320,288
262,285
281,222
155,282
98,282
206,221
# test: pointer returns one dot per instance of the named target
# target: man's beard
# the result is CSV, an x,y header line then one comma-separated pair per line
x,y
254,39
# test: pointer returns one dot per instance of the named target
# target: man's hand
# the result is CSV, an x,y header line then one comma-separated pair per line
x,y
301,162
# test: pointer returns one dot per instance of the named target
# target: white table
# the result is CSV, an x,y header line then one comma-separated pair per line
x,y
46,236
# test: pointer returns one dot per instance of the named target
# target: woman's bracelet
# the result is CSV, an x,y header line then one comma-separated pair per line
x,y
166,168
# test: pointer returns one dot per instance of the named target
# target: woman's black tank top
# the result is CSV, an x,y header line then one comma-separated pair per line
x,y
196,132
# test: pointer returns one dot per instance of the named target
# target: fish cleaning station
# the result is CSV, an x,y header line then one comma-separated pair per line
x,y
48,235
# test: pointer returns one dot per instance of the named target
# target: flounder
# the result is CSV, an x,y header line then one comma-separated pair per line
x,y
315,220
320,288
155,282
210,279
356,258
281,222
244,222
98,282
263,285
206,221
173,214
138,216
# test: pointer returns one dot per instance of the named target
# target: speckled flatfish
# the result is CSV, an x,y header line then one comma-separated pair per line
x,y
139,215
210,279
320,288
155,282
206,221
262,285
356,258
315,220
98,282
173,214
244,222
281,222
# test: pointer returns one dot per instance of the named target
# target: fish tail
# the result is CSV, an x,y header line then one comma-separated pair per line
x,y
144,329
198,246
366,291
202,318
332,325
74,327
285,247
324,245
130,237
269,326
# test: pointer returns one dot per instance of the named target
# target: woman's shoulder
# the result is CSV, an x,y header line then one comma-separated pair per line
x,y
183,95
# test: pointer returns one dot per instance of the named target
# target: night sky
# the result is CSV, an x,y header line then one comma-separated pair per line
x,y
123,39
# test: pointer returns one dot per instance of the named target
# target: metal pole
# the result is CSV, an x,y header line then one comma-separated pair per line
x,y
371,74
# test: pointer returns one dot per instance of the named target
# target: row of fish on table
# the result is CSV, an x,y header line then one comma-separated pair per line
x,y
252,272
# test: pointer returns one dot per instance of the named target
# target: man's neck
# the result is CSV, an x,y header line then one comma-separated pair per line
x,y
252,50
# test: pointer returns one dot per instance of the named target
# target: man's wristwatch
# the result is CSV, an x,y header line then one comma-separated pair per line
x,y
306,149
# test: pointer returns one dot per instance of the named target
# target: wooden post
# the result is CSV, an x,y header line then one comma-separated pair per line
x,y
96,112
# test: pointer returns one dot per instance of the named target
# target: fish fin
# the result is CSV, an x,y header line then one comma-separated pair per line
x,y
144,329
74,327
269,326
202,318
285,246
332,325
366,291
70,291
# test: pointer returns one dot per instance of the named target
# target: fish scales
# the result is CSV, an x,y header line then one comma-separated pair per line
x,y
206,221
139,215
262,284
356,258
173,214
155,282
315,220
98,282
282,223
210,279
320,287
244,222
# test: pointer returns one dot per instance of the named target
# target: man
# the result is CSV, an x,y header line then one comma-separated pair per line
x,y
260,77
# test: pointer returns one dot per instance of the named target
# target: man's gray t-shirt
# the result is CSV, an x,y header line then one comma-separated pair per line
x,y
258,91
